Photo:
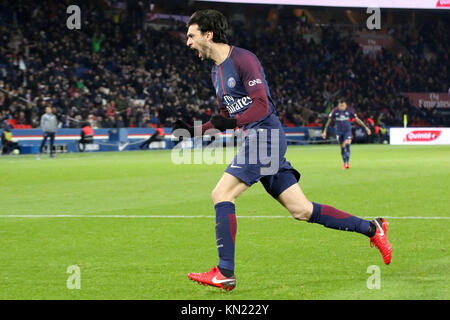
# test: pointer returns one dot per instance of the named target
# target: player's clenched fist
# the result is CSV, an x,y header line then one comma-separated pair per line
x,y
221,123
180,124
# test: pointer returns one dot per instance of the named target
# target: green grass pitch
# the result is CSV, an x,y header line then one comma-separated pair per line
x,y
130,254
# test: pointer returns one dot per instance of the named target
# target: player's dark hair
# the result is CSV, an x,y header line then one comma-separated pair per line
x,y
211,20
342,99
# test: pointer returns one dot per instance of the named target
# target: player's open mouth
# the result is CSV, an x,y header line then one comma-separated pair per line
x,y
197,52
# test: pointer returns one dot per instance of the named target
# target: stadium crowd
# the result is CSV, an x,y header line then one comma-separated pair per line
x,y
115,72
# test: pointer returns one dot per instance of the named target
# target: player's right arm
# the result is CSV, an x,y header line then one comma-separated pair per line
x,y
223,112
180,124
325,128
324,133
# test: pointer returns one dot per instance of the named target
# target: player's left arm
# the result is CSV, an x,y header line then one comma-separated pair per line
x,y
362,124
249,70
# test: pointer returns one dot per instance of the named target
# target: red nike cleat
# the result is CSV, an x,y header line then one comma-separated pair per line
x,y
346,165
214,278
380,240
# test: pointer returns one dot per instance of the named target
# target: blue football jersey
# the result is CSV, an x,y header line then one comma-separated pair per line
x,y
342,119
235,80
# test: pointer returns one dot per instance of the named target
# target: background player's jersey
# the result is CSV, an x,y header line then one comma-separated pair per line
x,y
236,80
342,119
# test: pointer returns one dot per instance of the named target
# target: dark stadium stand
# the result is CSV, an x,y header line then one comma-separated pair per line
x,y
118,71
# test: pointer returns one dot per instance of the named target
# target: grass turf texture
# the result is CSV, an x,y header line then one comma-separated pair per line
x,y
276,258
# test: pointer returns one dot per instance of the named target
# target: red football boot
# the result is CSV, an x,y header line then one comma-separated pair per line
x,y
380,240
346,165
214,278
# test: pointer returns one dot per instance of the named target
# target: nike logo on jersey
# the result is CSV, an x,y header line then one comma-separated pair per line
x,y
233,166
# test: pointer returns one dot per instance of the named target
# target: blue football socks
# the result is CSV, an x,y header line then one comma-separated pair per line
x,y
226,228
336,219
347,152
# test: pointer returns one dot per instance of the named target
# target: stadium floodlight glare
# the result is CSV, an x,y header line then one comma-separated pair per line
x,y
403,4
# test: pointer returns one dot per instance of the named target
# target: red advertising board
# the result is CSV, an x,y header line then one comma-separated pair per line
x,y
429,100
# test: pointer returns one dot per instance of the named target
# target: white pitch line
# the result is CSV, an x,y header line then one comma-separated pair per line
x,y
181,216
122,216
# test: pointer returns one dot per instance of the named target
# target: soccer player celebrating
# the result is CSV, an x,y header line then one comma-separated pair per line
x,y
342,115
244,101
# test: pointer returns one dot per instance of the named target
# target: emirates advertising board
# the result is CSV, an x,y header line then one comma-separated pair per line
x,y
419,136
440,102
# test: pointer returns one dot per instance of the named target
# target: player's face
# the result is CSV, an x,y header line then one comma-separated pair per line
x,y
342,105
198,41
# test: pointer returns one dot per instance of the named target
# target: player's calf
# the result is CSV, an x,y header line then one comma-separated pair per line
x,y
300,212
296,203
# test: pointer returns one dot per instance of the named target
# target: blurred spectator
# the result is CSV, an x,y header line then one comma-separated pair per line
x,y
8,144
86,136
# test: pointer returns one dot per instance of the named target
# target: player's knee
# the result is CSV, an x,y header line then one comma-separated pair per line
x,y
301,215
218,195
300,212
215,195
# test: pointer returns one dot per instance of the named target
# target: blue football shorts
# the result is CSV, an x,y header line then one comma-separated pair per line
x,y
261,158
